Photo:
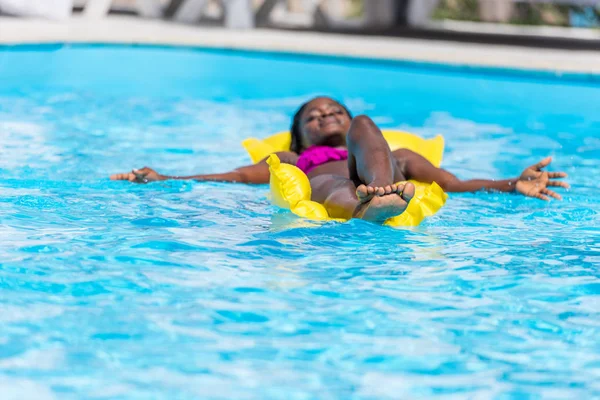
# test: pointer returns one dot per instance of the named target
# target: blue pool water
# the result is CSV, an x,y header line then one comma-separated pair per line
x,y
182,290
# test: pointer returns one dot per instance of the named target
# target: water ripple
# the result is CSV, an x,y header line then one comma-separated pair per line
x,y
204,290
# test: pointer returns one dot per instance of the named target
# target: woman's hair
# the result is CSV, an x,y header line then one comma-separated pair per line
x,y
296,145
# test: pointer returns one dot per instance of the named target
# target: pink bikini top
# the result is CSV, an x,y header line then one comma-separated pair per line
x,y
315,156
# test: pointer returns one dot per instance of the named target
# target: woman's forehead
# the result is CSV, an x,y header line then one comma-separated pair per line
x,y
319,102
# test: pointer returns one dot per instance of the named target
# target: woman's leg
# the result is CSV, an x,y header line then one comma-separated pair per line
x,y
337,194
340,197
374,169
371,164
370,193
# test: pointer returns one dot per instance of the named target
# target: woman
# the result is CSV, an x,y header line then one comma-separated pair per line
x,y
352,169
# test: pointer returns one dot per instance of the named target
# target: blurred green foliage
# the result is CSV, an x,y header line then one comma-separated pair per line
x,y
524,13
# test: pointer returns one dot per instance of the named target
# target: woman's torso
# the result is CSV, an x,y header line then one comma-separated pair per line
x,y
339,168
330,161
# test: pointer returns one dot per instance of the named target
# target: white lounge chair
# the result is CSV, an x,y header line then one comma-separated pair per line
x,y
238,13
420,11
99,8
377,13
277,11
380,13
51,9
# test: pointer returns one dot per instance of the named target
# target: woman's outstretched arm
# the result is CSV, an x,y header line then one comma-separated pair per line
x,y
533,182
257,173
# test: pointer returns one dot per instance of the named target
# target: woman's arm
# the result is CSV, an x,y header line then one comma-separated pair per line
x,y
257,173
533,182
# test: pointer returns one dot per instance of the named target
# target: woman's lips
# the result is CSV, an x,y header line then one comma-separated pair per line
x,y
328,122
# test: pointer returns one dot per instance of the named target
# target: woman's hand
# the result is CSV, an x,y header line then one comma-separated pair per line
x,y
534,182
144,175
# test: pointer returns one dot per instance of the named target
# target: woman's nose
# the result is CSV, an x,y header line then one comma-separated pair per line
x,y
326,113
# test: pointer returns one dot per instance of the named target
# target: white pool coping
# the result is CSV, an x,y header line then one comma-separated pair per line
x,y
133,30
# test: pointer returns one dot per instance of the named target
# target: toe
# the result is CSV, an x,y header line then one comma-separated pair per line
x,y
407,192
362,191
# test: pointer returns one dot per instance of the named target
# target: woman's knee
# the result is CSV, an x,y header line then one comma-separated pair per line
x,y
363,122
362,127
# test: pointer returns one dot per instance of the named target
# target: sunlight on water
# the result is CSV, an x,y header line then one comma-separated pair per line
x,y
188,290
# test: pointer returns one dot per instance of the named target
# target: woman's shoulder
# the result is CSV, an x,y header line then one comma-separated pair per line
x,y
288,157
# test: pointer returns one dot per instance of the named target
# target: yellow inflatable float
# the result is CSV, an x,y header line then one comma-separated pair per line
x,y
290,187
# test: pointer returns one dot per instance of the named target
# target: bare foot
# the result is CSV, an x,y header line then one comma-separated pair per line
x,y
380,208
366,192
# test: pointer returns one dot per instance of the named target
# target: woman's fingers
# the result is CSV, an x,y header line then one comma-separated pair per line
x,y
541,196
559,184
552,193
127,176
542,164
556,175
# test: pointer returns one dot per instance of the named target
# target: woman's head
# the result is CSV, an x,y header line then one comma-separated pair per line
x,y
321,121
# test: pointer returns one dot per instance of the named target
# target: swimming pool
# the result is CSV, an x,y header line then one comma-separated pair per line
x,y
204,290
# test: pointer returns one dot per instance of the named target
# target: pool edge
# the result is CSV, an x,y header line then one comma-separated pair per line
x,y
498,71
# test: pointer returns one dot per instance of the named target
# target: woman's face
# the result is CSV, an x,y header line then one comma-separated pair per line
x,y
324,122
